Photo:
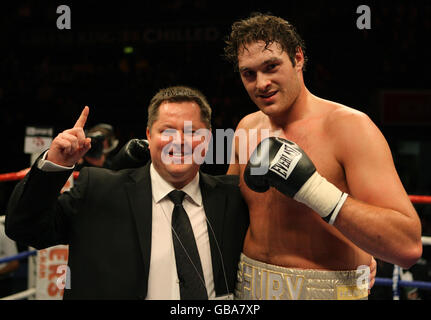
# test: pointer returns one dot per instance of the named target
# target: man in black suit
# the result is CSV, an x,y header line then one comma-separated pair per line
x,y
117,224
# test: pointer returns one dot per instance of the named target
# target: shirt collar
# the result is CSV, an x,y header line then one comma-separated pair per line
x,y
161,188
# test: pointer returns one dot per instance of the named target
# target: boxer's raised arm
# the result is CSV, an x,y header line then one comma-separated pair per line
x,y
70,145
378,217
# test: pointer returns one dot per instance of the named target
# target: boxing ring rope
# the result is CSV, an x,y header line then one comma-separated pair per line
x,y
19,256
395,282
21,295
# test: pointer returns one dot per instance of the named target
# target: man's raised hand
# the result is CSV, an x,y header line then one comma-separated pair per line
x,y
70,145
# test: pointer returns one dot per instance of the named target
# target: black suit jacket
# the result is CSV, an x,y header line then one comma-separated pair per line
x,y
106,220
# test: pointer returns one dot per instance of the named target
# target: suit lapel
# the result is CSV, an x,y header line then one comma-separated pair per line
x,y
214,204
140,198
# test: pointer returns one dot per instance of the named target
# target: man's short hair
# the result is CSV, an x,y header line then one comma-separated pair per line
x,y
263,27
179,94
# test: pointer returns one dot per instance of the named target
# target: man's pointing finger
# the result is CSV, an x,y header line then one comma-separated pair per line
x,y
80,123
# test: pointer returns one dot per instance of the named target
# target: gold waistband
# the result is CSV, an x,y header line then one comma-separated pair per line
x,y
257,280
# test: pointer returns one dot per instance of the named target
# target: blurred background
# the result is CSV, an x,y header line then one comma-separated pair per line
x,y
118,54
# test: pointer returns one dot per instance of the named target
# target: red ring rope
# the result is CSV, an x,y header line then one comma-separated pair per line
x,y
420,199
13,176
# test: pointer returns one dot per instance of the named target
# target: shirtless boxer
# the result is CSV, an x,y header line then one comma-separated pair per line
x,y
290,251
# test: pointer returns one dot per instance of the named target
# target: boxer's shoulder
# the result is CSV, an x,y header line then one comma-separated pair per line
x,y
350,129
253,121
340,117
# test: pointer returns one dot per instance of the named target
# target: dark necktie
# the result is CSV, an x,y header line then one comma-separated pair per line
x,y
189,268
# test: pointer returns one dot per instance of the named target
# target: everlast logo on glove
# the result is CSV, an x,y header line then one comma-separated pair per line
x,y
285,161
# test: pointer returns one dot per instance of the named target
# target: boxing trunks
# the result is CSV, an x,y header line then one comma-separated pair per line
x,y
261,281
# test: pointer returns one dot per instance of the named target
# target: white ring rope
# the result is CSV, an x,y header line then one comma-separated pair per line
x,y
21,295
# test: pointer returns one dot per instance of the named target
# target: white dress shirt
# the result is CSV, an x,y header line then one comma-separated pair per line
x,y
163,282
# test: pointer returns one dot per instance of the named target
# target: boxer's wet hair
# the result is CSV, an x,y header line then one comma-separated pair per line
x,y
179,94
263,27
